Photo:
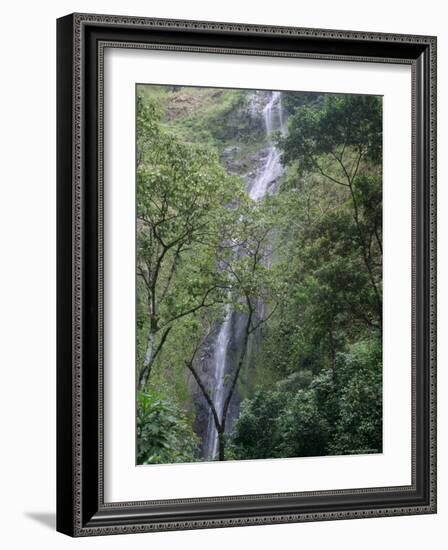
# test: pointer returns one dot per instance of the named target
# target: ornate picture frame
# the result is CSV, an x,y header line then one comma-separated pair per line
x,y
81,506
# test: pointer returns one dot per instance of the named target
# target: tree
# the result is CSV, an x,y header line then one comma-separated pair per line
x,y
342,141
163,433
257,432
182,193
254,290
327,417
359,398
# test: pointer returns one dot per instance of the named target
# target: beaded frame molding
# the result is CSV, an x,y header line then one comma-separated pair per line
x,y
81,40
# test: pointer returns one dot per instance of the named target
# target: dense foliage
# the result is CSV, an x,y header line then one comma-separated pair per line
x,y
324,416
163,432
308,371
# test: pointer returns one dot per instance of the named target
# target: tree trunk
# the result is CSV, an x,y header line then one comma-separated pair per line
x,y
379,303
147,363
221,443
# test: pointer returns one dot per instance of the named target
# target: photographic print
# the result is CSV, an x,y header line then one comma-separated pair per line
x,y
259,274
246,274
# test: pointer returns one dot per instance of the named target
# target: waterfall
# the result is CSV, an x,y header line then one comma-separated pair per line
x,y
220,361
272,170
263,183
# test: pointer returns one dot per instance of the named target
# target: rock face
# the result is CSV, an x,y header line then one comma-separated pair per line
x,y
257,103
261,169
229,158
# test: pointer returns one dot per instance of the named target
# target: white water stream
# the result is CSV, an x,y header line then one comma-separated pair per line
x,y
262,184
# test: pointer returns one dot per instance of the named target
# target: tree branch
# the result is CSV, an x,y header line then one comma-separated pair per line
x,y
262,321
325,175
144,375
202,304
205,393
238,369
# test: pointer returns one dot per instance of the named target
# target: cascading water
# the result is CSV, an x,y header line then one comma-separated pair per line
x,y
272,170
220,362
263,183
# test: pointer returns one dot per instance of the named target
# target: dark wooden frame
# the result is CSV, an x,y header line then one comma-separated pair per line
x,y
81,39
